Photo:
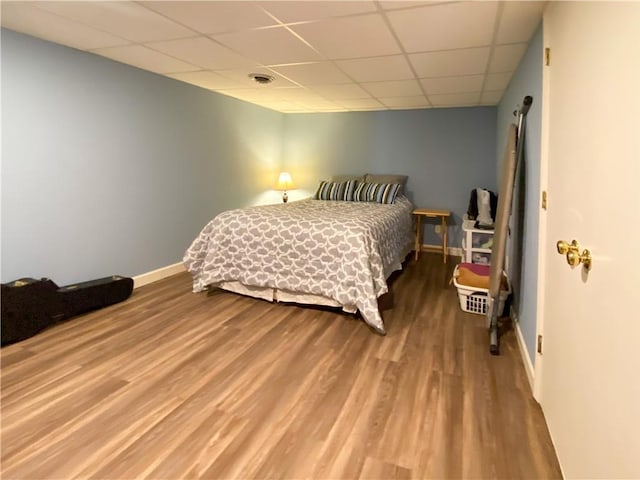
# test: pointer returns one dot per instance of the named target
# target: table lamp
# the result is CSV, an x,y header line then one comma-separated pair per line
x,y
285,183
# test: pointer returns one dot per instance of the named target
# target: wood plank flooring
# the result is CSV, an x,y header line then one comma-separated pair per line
x,y
172,385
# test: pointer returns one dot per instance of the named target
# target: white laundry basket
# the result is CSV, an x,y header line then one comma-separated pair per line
x,y
475,299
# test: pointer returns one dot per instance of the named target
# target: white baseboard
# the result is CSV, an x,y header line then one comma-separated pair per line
x,y
455,251
159,274
164,272
526,360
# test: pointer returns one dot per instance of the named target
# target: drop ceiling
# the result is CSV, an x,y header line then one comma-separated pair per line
x,y
324,56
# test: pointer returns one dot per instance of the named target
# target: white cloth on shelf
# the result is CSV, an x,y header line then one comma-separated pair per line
x,y
484,207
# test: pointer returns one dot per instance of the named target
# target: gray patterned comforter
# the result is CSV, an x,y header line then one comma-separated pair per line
x,y
344,251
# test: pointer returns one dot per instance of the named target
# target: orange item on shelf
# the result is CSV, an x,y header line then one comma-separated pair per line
x,y
471,276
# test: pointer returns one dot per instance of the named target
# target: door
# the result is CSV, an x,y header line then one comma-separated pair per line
x,y
590,385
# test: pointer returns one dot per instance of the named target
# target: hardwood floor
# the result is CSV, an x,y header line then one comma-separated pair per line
x,y
171,384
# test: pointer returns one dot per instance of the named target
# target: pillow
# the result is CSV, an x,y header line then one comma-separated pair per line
x,y
376,192
387,178
336,190
344,178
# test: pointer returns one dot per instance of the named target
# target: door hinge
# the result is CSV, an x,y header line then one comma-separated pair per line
x,y
540,344
544,199
547,56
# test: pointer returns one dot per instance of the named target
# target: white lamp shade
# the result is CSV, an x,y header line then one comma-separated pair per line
x,y
284,182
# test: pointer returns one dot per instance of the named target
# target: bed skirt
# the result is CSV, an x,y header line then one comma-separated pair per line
x,y
279,295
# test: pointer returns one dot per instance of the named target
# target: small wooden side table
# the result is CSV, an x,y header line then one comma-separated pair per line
x,y
432,213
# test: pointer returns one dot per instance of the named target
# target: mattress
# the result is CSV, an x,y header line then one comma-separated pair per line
x,y
339,252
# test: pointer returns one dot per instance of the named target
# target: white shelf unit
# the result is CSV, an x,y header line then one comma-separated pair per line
x,y
476,243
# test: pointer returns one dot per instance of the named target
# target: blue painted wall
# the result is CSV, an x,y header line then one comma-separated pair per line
x,y
318,145
445,152
523,243
108,169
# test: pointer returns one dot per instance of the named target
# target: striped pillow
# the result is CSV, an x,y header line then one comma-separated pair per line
x,y
376,192
336,190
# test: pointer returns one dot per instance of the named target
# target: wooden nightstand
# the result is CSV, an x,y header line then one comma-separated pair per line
x,y
431,213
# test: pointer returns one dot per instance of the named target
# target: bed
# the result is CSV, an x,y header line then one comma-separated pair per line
x,y
314,251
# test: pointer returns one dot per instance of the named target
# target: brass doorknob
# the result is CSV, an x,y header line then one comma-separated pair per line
x,y
564,247
574,257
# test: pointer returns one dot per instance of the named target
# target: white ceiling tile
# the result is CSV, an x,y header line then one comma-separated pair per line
x,y
519,21
297,94
262,101
401,4
310,104
317,104
202,51
491,97
469,61
506,57
393,67
313,73
291,108
411,107
245,36
314,99
286,103
349,37
497,81
204,79
398,88
145,58
266,104
248,94
418,101
294,109
361,104
234,92
213,17
461,84
296,11
242,77
269,46
455,99
27,18
303,99
445,26
345,91
124,19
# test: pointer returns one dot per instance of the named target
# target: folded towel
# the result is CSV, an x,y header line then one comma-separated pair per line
x,y
476,268
474,275
468,277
